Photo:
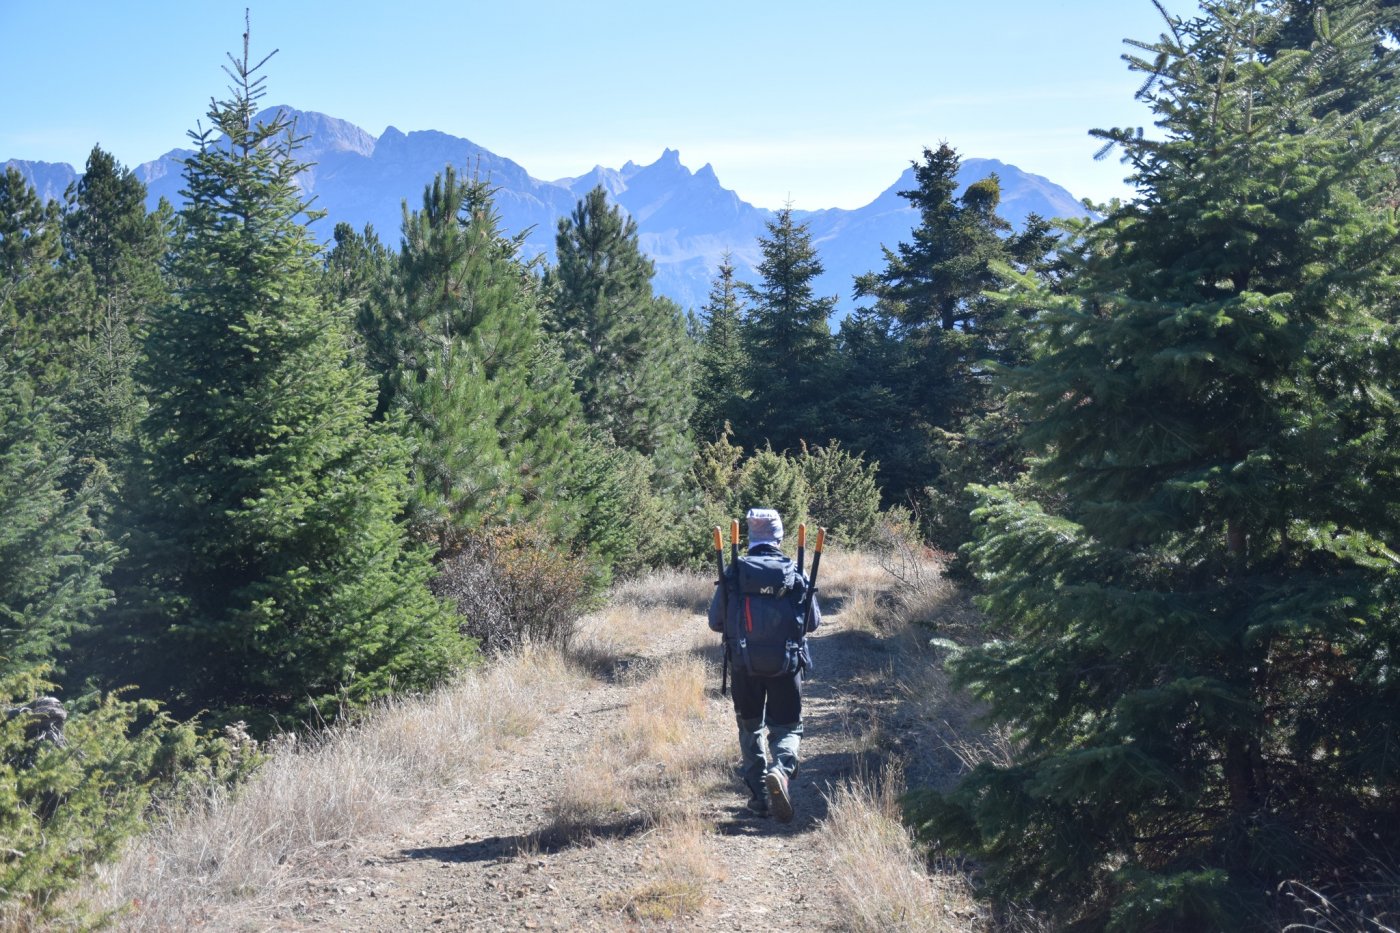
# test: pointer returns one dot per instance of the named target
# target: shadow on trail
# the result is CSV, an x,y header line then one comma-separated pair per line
x,y
840,709
612,668
545,841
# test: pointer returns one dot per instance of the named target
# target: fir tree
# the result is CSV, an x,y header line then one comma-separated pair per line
x,y
40,305
631,355
934,295
789,342
52,559
1200,668
722,374
267,571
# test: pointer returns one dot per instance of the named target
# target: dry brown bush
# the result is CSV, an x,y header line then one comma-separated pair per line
x,y
512,588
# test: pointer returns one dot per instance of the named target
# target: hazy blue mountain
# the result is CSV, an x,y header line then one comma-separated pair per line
x,y
849,241
686,220
50,179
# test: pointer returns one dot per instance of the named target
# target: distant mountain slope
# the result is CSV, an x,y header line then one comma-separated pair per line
x,y
686,220
50,179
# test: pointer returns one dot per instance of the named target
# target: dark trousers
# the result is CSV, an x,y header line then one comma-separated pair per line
x,y
774,703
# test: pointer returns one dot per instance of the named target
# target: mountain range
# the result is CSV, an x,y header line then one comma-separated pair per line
x,y
686,220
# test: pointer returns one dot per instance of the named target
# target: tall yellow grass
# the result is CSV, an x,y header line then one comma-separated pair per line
x,y
315,804
879,872
642,613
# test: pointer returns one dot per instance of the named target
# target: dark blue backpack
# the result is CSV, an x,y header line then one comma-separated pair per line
x,y
764,621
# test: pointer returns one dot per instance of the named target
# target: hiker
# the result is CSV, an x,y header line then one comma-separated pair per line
x,y
771,702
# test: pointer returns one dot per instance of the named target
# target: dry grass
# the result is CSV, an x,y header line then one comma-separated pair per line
x,y
1369,903
651,772
314,804
680,867
663,715
845,571
852,582
593,801
666,589
638,614
879,871
649,769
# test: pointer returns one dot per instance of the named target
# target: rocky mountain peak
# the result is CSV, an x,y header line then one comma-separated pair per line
x,y
686,221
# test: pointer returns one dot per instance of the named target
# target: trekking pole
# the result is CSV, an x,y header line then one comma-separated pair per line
x,y
734,594
812,584
724,634
801,546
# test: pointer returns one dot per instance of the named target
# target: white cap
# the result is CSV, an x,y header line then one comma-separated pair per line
x,y
765,527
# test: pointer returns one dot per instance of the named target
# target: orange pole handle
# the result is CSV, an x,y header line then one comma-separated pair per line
x,y
719,540
801,535
821,539
734,531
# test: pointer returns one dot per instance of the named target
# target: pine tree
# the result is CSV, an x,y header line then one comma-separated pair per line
x,y
631,355
110,239
789,342
722,374
268,574
462,353
1202,629
359,269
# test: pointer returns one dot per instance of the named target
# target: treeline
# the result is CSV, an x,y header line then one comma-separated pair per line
x,y
265,482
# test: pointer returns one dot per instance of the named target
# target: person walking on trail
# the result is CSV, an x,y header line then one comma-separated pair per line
x,y
764,592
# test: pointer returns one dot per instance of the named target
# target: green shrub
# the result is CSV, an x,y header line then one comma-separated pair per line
x,y
605,492
843,495
716,472
771,480
68,805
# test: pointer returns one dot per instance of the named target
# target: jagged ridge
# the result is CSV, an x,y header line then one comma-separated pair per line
x,y
687,220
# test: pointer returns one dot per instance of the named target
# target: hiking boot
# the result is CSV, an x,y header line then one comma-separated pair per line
x,y
778,795
757,805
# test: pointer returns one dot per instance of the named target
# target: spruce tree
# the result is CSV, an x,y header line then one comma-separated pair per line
x,y
722,373
630,352
268,574
789,342
1204,610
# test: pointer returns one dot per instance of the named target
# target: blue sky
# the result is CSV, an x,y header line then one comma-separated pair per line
x,y
820,103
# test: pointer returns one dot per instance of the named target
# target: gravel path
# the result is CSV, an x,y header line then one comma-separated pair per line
x,y
477,862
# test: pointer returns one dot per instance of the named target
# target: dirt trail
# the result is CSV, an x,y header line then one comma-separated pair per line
x,y
478,863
